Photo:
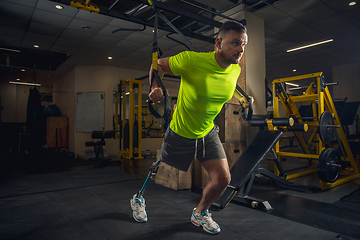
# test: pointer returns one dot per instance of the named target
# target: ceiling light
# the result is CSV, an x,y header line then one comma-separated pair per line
x,y
8,49
59,7
309,45
23,70
18,79
109,57
36,46
352,3
28,84
294,70
292,84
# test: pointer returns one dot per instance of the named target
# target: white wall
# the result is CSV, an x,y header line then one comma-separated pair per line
x,y
255,62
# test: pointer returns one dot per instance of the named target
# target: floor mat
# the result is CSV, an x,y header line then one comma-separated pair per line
x,y
94,204
61,180
353,197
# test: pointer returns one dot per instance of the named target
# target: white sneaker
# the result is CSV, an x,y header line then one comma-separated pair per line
x,y
138,206
204,219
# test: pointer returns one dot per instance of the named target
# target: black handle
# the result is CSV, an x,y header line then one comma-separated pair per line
x,y
167,112
249,115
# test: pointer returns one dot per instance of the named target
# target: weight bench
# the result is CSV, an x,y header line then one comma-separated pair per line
x,y
246,167
98,146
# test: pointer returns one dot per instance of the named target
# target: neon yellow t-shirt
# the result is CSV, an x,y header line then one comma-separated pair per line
x,y
204,88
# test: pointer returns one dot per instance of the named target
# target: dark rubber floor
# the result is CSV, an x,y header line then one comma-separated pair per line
x,y
93,203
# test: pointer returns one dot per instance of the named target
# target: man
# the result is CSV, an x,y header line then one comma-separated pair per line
x,y
208,80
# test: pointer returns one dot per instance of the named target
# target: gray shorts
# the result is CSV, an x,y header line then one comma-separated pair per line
x,y
178,151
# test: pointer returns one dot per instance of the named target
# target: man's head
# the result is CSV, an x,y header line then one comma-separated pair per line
x,y
230,43
231,25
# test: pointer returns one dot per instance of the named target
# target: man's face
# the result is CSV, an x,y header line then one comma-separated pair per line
x,y
232,46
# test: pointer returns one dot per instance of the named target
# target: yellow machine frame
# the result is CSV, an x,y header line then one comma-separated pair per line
x,y
321,101
85,6
147,117
129,153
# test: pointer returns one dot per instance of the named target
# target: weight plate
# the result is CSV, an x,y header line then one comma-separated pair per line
x,y
329,165
326,133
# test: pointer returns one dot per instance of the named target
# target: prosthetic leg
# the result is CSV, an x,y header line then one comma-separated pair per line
x,y
152,172
137,202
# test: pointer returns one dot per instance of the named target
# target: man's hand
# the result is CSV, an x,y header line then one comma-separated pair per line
x,y
252,100
244,103
156,94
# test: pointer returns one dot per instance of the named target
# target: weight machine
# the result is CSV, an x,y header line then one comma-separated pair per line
x,y
325,123
131,127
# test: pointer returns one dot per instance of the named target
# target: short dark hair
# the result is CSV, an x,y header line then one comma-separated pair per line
x,y
231,25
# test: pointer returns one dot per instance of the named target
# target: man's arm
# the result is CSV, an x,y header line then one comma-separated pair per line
x,y
156,93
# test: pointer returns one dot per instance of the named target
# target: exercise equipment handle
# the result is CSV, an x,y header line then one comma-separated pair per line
x,y
298,127
283,122
275,122
167,112
248,99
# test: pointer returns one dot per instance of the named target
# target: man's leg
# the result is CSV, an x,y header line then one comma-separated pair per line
x,y
137,202
219,179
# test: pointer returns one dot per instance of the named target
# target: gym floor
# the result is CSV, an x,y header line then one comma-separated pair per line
x,y
70,199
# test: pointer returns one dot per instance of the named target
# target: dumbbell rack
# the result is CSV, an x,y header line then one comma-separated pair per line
x,y
321,102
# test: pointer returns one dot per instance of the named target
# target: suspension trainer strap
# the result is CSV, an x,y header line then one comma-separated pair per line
x,y
248,99
155,53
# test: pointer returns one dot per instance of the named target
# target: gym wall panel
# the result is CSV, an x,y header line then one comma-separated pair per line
x,y
8,101
348,78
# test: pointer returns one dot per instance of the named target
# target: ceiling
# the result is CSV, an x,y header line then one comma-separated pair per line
x,y
124,30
